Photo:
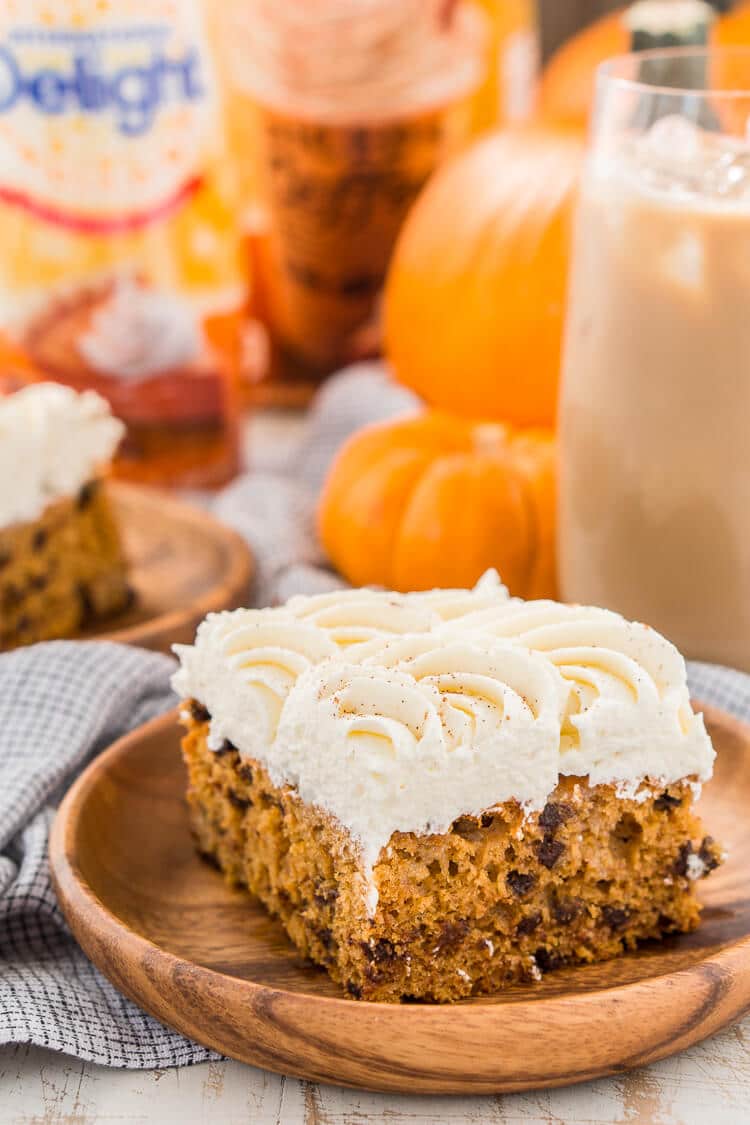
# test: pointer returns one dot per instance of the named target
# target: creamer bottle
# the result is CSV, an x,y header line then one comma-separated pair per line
x,y
120,267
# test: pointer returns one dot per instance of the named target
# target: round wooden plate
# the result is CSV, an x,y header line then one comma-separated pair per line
x,y
184,564
207,960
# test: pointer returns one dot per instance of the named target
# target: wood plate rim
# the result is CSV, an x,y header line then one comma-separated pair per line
x,y
276,1022
231,592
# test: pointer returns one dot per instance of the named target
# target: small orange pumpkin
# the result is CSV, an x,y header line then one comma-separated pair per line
x,y
475,297
434,500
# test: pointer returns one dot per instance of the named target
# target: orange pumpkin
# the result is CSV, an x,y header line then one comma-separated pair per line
x,y
733,29
434,500
566,88
475,297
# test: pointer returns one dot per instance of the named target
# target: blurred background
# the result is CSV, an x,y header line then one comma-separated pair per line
x,y
559,19
259,218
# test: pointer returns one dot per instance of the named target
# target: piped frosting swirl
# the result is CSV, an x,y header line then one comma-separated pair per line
x,y
402,712
52,442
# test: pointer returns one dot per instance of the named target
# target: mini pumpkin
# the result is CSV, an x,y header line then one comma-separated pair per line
x,y
434,500
475,298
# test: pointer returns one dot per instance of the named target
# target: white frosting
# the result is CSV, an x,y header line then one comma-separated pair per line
x,y
52,442
627,714
402,712
141,331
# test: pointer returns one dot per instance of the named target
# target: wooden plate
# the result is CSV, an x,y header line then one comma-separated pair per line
x,y
184,564
208,961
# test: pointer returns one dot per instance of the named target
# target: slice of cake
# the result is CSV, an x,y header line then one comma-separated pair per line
x,y
439,794
61,560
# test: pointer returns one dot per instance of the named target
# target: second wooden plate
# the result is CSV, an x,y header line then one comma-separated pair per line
x,y
208,960
184,564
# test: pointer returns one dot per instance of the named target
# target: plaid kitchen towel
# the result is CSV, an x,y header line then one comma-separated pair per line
x,y
61,703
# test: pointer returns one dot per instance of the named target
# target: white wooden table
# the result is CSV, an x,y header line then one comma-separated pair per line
x,y
708,1085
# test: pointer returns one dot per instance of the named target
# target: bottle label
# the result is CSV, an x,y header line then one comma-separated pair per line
x,y
106,110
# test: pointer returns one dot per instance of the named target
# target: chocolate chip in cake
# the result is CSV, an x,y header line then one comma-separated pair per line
x,y
12,597
668,925
451,935
239,802
707,854
567,910
23,624
667,802
548,851
546,959
380,952
226,747
271,802
519,883
5,559
326,939
198,713
627,830
39,540
38,582
554,814
86,494
325,897
245,772
354,990
487,820
529,924
88,611
615,917
210,859
680,865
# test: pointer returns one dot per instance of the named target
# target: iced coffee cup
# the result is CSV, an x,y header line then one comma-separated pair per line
x,y
655,406
342,111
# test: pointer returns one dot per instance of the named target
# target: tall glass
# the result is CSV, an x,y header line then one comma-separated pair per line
x,y
655,406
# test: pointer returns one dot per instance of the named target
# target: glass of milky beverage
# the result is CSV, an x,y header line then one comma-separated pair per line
x,y
655,405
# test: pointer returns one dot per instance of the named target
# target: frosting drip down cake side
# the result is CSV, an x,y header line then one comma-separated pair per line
x,y
61,559
439,794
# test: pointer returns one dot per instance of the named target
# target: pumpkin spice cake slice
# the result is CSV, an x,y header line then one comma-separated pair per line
x,y
61,561
439,794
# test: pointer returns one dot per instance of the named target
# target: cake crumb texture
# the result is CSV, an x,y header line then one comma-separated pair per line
x,y
500,898
62,571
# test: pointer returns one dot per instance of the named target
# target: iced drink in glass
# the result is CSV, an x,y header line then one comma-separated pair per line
x,y
655,406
